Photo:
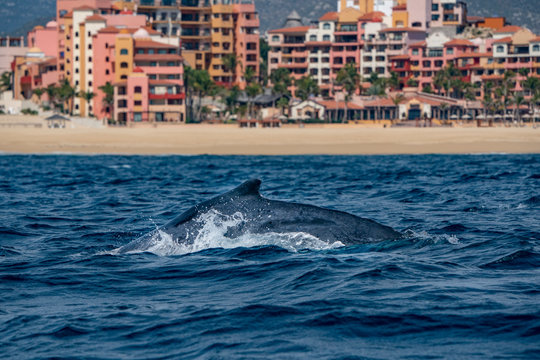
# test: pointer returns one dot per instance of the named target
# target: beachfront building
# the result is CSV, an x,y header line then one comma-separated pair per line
x,y
10,47
210,31
81,25
149,85
413,41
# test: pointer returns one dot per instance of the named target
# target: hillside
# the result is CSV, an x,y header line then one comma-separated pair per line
x,y
20,16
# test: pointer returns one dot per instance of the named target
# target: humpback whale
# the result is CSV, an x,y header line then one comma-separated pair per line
x,y
256,215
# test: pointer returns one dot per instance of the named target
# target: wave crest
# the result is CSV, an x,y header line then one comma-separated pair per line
x,y
211,235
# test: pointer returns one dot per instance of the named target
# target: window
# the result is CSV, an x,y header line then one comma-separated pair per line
x,y
106,59
500,49
138,103
450,51
138,90
326,38
124,52
275,38
415,51
326,26
124,65
536,48
313,38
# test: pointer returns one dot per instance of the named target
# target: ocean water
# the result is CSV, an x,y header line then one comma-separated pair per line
x,y
463,283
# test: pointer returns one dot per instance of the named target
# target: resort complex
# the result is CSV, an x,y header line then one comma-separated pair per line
x,y
199,60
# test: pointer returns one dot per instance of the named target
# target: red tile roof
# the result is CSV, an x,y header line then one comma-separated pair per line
x,y
536,39
95,17
380,102
335,105
84,8
419,44
375,16
459,42
508,29
329,16
505,40
400,7
297,29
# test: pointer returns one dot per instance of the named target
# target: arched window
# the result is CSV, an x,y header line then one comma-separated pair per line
x,y
536,48
138,90
124,65
313,38
500,49
326,38
326,26
275,38
123,77
124,52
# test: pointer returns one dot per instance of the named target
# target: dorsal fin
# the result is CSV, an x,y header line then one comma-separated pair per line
x,y
250,187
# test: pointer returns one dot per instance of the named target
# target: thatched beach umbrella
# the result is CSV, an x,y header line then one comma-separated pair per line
x,y
57,121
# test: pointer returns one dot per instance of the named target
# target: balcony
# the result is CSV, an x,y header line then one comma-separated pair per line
x,y
158,3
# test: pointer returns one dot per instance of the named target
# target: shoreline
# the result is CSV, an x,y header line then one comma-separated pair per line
x,y
232,140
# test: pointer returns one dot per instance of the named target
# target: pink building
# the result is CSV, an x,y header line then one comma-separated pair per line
x,y
154,90
9,49
45,38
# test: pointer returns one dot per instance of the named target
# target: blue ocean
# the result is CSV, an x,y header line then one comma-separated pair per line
x,y
462,283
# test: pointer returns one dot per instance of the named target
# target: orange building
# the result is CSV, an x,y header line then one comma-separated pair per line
x,y
209,31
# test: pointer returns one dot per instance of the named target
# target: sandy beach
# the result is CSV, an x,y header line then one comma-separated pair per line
x,y
223,140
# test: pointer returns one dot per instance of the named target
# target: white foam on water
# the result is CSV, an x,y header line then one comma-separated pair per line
x,y
434,239
211,235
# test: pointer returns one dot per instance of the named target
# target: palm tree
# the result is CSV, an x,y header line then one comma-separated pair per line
x,y
439,80
393,81
230,63
469,93
306,87
231,98
505,89
535,99
397,99
518,100
249,75
378,89
283,103
349,79
198,83
108,99
281,80
532,85
39,92
87,96
252,90
52,94
487,100
67,93
6,83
